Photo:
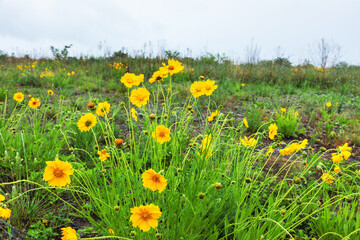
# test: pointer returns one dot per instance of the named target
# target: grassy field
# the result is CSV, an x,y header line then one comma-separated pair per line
x,y
208,149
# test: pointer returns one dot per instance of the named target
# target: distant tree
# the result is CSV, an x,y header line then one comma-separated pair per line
x,y
282,62
324,53
60,55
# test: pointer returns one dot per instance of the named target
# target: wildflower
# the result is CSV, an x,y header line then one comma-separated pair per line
x,y
139,97
205,147
248,142
130,79
145,216
173,67
102,108
283,109
293,148
2,198
5,213
153,180
111,231
337,169
218,185
86,122
345,148
336,158
30,96
327,177
68,234
50,92
91,105
202,77
246,124
269,151
134,114
272,131
213,115
19,97
209,87
296,114
197,89
158,76
57,173
243,84
118,142
161,134
72,73
34,103
328,104
103,155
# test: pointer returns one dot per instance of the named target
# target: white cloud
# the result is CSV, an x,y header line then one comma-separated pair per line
x,y
218,26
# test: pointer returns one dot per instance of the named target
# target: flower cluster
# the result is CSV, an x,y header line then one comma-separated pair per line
x,y
293,147
213,115
199,88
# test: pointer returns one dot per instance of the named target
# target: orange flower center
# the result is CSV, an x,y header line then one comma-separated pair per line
x,y
140,98
155,178
208,87
145,216
34,102
171,68
161,134
58,172
88,123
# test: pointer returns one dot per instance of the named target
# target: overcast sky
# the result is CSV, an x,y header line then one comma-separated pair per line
x,y
228,26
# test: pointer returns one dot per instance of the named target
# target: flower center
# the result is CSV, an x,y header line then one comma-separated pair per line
x,y
34,103
88,123
171,68
58,172
155,179
161,134
158,78
140,98
145,215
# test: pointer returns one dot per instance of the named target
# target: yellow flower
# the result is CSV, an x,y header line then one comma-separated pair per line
x,y
19,97
197,89
246,124
161,134
248,142
202,77
118,142
283,109
269,151
337,169
327,177
272,131
139,97
173,67
50,92
68,234
5,213
153,180
72,73
57,173
34,103
103,155
2,198
130,79
243,84
336,158
86,122
134,114
293,148
145,217
111,231
209,87
213,115
205,148
296,114
102,108
158,76
345,148
328,104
